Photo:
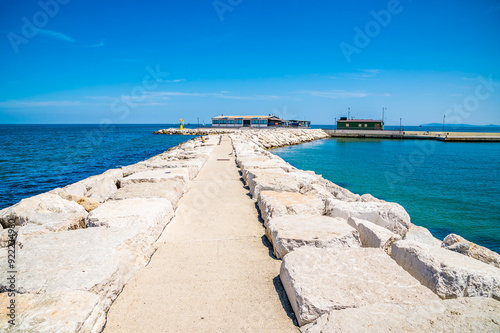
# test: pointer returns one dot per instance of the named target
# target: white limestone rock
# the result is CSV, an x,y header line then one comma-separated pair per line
x,y
99,187
142,212
369,198
459,244
70,311
256,163
421,235
157,176
78,189
389,215
47,210
372,235
447,273
338,192
271,180
289,232
134,168
316,190
317,281
192,166
274,204
104,186
474,314
172,190
87,203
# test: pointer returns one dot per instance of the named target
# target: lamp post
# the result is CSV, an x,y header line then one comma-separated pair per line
x,y
383,112
198,126
400,122
444,117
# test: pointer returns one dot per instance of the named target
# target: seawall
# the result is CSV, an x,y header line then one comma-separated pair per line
x,y
344,256
415,135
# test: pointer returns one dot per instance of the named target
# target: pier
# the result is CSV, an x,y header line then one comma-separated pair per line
x,y
218,234
415,135
211,271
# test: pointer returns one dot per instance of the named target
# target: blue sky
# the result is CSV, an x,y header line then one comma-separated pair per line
x,y
71,61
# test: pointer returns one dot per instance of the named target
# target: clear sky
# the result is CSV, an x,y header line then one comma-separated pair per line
x,y
74,61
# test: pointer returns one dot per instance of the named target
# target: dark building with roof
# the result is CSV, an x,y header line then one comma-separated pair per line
x,y
360,124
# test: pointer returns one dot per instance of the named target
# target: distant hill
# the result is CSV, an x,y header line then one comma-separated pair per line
x,y
459,125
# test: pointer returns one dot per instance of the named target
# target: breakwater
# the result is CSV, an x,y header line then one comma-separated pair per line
x,y
345,256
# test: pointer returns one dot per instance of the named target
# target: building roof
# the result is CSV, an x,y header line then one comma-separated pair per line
x,y
246,117
360,120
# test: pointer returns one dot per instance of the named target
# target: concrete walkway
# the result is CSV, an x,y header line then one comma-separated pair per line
x,y
212,272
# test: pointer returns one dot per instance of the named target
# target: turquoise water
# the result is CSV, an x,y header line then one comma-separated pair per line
x,y
38,158
446,187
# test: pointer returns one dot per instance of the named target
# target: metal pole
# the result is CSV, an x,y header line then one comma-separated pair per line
x,y
198,127
383,109
348,113
400,122
444,117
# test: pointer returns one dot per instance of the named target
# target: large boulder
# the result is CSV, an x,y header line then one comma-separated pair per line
x,y
339,192
320,280
172,190
99,187
272,180
421,235
134,168
97,260
289,232
372,235
137,212
87,203
475,314
274,204
459,244
447,273
192,166
158,176
70,311
389,215
46,210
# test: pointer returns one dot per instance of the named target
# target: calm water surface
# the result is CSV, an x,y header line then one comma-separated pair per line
x,y
446,187
38,158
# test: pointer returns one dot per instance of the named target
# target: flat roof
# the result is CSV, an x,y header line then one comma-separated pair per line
x,y
246,117
360,120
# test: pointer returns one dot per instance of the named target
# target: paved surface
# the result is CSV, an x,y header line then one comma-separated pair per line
x,y
212,271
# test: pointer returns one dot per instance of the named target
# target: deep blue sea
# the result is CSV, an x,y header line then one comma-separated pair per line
x,y
38,158
447,187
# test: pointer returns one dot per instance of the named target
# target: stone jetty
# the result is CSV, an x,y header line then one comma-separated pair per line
x,y
178,243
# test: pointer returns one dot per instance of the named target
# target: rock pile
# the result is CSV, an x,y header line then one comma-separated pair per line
x,y
78,246
346,256
195,131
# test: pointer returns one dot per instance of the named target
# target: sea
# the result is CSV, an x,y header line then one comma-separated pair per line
x,y
447,187
38,158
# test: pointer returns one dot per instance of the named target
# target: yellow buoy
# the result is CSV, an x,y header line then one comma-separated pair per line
x,y
182,124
